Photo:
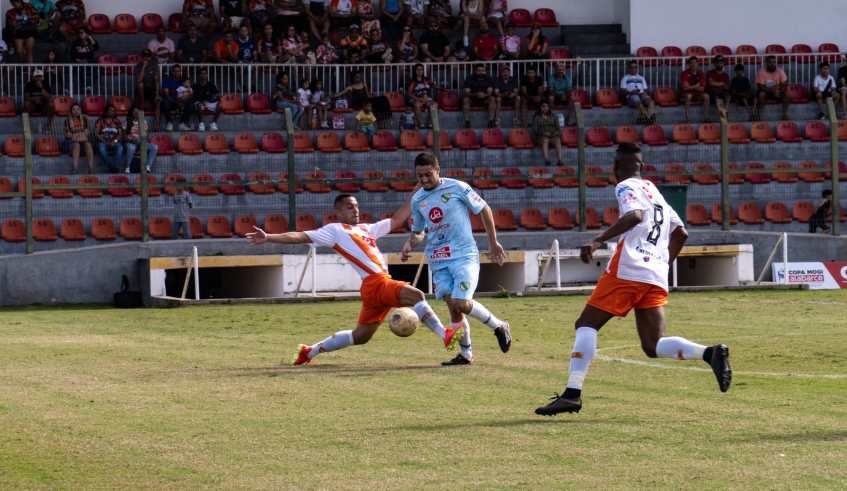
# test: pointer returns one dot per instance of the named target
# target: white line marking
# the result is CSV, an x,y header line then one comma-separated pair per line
x,y
696,369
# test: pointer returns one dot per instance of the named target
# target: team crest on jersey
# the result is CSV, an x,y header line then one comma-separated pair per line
x,y
423,205
436,215
646,259
445,197
367,239
464,286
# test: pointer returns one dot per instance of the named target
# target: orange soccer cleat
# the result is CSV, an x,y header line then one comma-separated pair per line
x,y
452,337
302,356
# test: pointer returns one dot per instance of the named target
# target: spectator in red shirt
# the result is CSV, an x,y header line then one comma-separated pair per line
x,y
536,43
485,45
71,17
717,83
693,83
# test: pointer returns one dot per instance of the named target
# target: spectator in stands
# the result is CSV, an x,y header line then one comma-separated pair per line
x,y
485,45
38,98
823,87
359,94
78,131
442,11
545,125
304,96
693,83
772,85
378,51
496,15
841,85
109,133
536,43
4,71
147,83
478,92
184,107
82,51
319,102
634,89
342,13
133,136
392,17
191,48
226,50
162,47
270,46
48,18
317,13
434,45
822,212
419,92
259,13
294,48
247,53
560,91
506,92
407,46
510,44
71,17
354,47
206,96
182,203
472,11
284,99
326,54
365,119
366,17
53,73
290,13
233,14
24,21
532,93
742,93
460,53
200,13
717,83
416,12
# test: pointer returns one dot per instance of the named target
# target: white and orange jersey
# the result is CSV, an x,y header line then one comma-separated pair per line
x,y
642,253
357,243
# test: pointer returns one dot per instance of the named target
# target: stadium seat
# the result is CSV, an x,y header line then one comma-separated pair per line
x,y
328,142
842,171
561,54
570,137
842,131
7,108
611,215
520,18
674,56
683,134
383,141
100,24
402,186
356,141
802,48
598,136
830,48
122,104
797,93
63,104
492,139
786,131
817,132
175,23
595,182
6,186
258,103
275,224
72,229
627,134
245,143
232,189
374,187
195,228
546,17
36,193
347,187
717,215
724,51
700,53
705,179
149,23
317,188
306,222
109,59
126,24
559,219
151,191
449,101
750,214
612,179
777,49
735,178
13,231
44,230
582,97
283,176
748,52
484,183
647,52
697,215
130,229
132,59
783,177
654,135
93,105
396,101
401,229
592,220
171,178
47,146
466,140
273,143
204,190
802,211
565,182
302,143
842,217
654,178
709,133
777,212
443,140
232,104
762,133
164,142
756,178
512,183
260,188
119,192
608,99
244,225
676,178
504,220
477,225
216,144
540,178
189,144
218,227
737,133
412,141
59,193
330,218
532,219
665,97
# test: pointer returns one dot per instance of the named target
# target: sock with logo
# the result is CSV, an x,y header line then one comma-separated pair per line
x,y
482,314
429,319
339,340
584,348
679,348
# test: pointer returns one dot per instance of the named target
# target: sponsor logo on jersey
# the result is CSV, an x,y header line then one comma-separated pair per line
x,y
464,286
623,189
422,206
436,215
439,227
645,252
441,253
475,198
445,197
646,259
367,239
630,198
649,193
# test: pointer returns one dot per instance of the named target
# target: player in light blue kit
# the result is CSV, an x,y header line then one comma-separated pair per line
x,y
442,206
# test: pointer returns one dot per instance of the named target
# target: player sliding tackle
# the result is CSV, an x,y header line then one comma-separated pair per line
x,y
441,206
356,242
636,278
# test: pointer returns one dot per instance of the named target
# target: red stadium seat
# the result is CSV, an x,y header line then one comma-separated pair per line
x,y
817,132
164,142
218,227
627,134
737,133
749,52
204,190
47,146
89,192
842,131
676,178
802,211
647,52
504,220
466,140
608,99
275,224
592,220
149,23
735,178
258,103
260,188
830,48
383,141
245,143
443,140
561,54
130,229
783,177
786,131
717,215
319,187
131,59
700,53
540,178
583,98
110,60
7,108
724,51
654,135
559,219
750,214
777,212
665,97
598,136
448,101
396,101
63,104
306,222
762,133
797,93
273,143
347,187
232,104
119,192
99,24
160,228
59,193
36,193
44,231
126,24
598,181
802,48
232,189
189,144
195,228
356,141
103,229
484,183
512,183
151,191
683,134
284,187
565,182
6,186
521,139
477,226
709,133
532,219
93,105
244,225
842,171
570,137
611,215
412,141
756,178
72,229
705,179
402,186
673,55
697,215
492,138
374,187
546,17
216,144
776,49
175,23
655,179
15,146
520,18
122,104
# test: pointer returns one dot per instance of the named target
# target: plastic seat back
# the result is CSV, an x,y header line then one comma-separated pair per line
x,y
830,48
244,225
175,23
443,140
245,143
700,53
777,212
756,178
802,48
273,143
723,51
302,143
44,230
151,191
802,211
520,18
598,136
608,98
777,49
655,179
647,52
13,230
565,182
783,177
59,193
709,134
7,108
735,178
108,59
532,219
402,186
356,141
654,135
6,186
762,133
674,55
683,134
797,93
466,140
36,193
787,132
665,97
258,103
232,104
103,229
842,171
512,183
47,146
597,181
374,187
412,141
705,179
122,104
330,218
130,229
750,214
484,183
347,187
306,222
298,188
627,134
546,17
171,190
611,215
492,138
540,178
676,178
260,188
275,224
126,24
521,138
216,144
477,225
383,141
149,23
119,192
717,215
817,132
232,189
321,187
504,219
15,146
396,101
748,52
218,227
737,133
592,220
100,24
72,229
583,98
204,190
697,215
63,104
448,101
559,219
189,144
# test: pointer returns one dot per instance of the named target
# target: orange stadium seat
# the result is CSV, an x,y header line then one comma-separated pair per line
x,y
654,135
612,179
842,131
13,231
520,138
260,188
195,228
570,137
216,144
7,108
63,104
665,97
484,183
175,23
232,104
130,229
697,215
347,187
717,215
532,219
647,52
317,188
218,227
627,134
817,132
232,189
258,103
520,18
126,24
595,182
797,93
750,214
565,182
546,17
356,141
122,104
802,48
654,178
598,136
151,191
608,99
786,131
705,179
15,146
756,178
724,51
582,97
777,212
559,219
72,229
59,193
302,143
189,144
504,220
204,190
47,146
160,228
383,141
275,224
802,211
93,105
611,215
777,49
396,101
443,140
412,141
735,178
109,59
842,171
683,134
245,143
6,186
100,24
273,143
328,142
36,193
709,133
592,220
402,186
244,225
699,52
44,230
493,139
329,218
448,101
283,176
171,190
783,177
476,223
674,56
512,183
676,178
841,216
762,133
737,133
306,222
119,192
466,140
374,187
749,52
164,142
149,23
540,178
401,229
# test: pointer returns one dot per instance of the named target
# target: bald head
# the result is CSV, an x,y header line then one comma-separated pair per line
x,y
627,161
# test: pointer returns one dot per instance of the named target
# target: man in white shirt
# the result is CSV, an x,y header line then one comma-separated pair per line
x,y
634,89
162,47
823,87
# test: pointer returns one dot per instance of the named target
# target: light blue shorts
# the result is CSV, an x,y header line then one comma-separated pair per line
x,y
457,278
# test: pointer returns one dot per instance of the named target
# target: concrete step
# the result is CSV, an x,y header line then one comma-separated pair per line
x,y
600,49
590,29
583,39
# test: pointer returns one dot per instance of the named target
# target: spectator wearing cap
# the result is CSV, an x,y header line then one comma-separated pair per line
x,y
416,11
185,108
38,98
341,14
162,47
485,46
634,89
200,13
693,82
354,47
191,48
434,45
741,92
147,83
717,83
772,85
560,91
510,44
536,43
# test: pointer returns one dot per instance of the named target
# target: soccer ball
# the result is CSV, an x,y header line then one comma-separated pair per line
x,y
403,322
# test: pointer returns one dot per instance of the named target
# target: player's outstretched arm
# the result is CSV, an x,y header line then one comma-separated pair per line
x,y
495,250
401,215
260,237
678,238
624,223
415,238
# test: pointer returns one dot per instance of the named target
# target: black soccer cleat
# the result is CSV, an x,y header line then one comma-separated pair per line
x,y
504,337
458,360
720,365
560,405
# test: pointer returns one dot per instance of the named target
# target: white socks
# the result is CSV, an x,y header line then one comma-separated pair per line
x,y
584,348
465,341
339,340
429,319
482,314
679,348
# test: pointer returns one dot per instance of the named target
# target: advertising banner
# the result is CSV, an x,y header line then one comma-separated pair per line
x,y
819,276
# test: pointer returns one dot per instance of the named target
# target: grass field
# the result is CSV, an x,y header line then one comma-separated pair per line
x,y
197,398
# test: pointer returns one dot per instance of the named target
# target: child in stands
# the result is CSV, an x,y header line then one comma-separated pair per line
x,y
366,119
319,102
305,96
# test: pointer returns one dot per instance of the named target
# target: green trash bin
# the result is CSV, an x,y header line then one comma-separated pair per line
x,y
677,196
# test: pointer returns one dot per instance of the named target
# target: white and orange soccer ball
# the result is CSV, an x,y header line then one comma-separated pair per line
x,y
403,322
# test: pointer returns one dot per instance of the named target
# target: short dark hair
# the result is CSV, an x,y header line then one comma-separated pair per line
x,y
425,159
826,193
632,62
628,148
692,58
479,65
340,199
823,64
771,57
739,67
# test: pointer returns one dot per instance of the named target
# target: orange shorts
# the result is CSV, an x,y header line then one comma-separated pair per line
x,y
618,297
379,294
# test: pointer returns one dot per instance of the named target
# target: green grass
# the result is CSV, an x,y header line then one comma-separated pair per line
x,y
197,398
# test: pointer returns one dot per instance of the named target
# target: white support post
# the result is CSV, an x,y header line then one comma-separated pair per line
x,y
785,258
429,287
196,275
313,252
558,266
675,283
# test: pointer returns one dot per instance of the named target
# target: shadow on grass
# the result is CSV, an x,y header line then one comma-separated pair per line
x,y
797,437
537,420
290,370
61,306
